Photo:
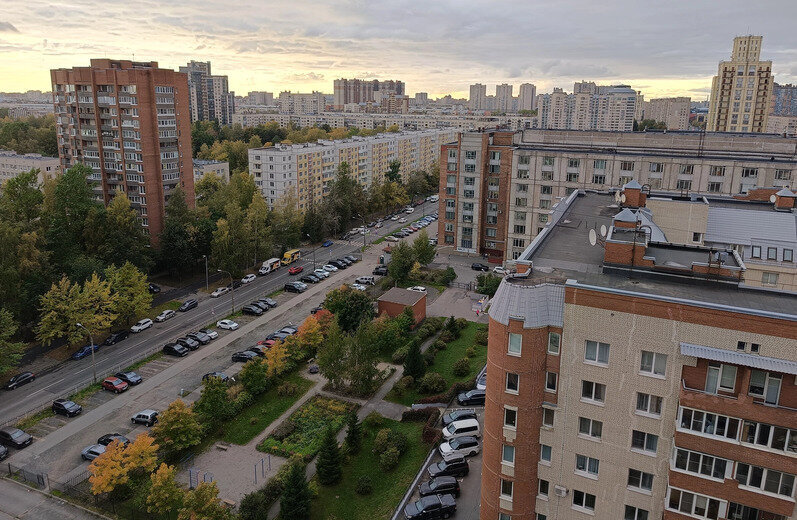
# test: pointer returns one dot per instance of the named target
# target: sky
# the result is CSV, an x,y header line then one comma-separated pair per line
x,y
663,48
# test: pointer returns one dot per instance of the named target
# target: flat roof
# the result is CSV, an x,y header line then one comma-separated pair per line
x,y
402,296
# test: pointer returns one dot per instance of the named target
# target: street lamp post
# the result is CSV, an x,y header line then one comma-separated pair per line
x,y
91,341
365,228
232,287
207,285
308,236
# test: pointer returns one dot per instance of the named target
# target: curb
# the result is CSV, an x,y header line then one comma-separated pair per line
x,y
411,489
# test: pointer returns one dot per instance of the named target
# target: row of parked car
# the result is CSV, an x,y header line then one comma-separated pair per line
x,y
412,228
260,348
193,340
323,272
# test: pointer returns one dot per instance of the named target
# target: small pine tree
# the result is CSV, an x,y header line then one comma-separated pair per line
x,y
295,499
414,364
353,432
328,465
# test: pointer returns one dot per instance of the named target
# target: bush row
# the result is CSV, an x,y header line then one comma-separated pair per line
x,y
452,392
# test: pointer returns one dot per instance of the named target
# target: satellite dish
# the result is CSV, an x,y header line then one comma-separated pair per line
x,y
772,198
593,238
603,230
622,198
617,196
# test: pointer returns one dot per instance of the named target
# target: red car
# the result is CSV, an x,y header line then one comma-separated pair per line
x,y
295,269
268,343
114,384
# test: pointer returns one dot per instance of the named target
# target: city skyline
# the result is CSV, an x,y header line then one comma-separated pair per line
x,y
446,48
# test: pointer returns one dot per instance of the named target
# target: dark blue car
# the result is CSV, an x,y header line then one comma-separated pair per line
x,y
85,351
327,243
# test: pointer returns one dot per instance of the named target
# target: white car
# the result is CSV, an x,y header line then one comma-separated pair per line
x,y
218,292
500,270
330,268
321,273
460,446
212,334
391,238
358,287
394,218
248,278
165,315
402,220
226,324
417,288
141,325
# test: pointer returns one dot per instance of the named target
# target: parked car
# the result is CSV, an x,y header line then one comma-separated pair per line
x,y
14,437
320,273
330,268
188,305
278,336
392,238
92,452
310,279
165,315
147,417
471,397
294,287
462,428
431,507
338,264
481,381
114,384
263,306
312,369
220,375
440,485
464,446
345,261
175,349
476,266
153,288
296,269
380,270
189,343
317,308
116,337
243,356
66,407
417,288
219,292
252,310
227,324
458,415
358,287
141,325
402,220
234,284
212,334
199,336
108,438
20,379
260,350
248,278
394,218
327,243
131,378
3,452
271,302
500,270
85,351
289,329
352,258
366,280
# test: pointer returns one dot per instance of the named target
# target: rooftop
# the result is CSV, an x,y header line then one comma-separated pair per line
x,y
402,296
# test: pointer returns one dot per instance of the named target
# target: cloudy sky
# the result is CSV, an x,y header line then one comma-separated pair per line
x,y
662,48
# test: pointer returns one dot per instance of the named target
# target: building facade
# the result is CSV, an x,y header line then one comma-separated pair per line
x,y
498,188
478,97
590,107
741,92
12,164
130,123
503,98
209,96
673,112
295,103
347,91
784,100
203,167
527,97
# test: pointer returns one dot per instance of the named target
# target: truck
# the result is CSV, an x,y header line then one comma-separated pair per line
x,y
291,256
272,264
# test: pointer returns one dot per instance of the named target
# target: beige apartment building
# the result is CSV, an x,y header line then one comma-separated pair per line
x,y
296,103
673,112
741,91
347,91
478,97
12,164
527,97
209,95
589,107
203,167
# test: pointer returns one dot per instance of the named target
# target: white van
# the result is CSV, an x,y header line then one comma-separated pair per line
x,y
462,428
409,209
272,264
434,198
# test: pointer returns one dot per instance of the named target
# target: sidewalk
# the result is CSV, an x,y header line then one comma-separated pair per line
x,y
22,502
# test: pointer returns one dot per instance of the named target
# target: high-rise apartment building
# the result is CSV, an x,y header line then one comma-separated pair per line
x,y
498,188
589,108
673,112
784,100
260,98
362,91
295,103
421,98
741,92
478,97
130,123
630,378
209,96
503,97
527,97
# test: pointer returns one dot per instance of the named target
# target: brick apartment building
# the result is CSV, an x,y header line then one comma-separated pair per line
x,y
130,123
636,379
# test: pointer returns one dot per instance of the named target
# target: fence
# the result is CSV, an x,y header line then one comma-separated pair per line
x,y
40,480
79,489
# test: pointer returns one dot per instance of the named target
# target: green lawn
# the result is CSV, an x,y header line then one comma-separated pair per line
x,y
266,408
341,501
444,363
171,304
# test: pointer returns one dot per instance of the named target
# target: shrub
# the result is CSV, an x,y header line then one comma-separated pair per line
x,y
386,283
446,336
399,441
282,431
242,400
447,276
389,459
432,383
425,331
437,322
481,337
439,345
253,505
287,388
406,382
381,441
373,420
461,323
364,485
253,421
428,357
461,367
401,354
470,352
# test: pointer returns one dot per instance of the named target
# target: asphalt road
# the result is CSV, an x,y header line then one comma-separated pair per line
x,y
20,502
73,375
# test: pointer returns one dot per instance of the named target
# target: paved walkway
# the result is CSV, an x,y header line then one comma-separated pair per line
x,y
18,501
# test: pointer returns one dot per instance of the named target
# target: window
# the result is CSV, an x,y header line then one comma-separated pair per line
x,y
470,181
700,463
508,454
720,377
583,500
520,201
550,381
626,179
635,513
547,161
593,391
640,480
597,352
546,190
572,177
504,516
522,188
543,488
648,404
510,417
452,153
491,232
750,172
546,176
573,163
547,417
783,175
769,278
644,441
653,363
515,344
765,385
756,252
541,516
469,154
590,427
506,489
683,184
495,156
542,218
520,229
768,436
717,171
553,342
627,166
518,242
687,169
693,504
520,216
714,187
656,167
709,423
772,253
545,453
598,178
765,479
788,255
599,164
512,382
587,465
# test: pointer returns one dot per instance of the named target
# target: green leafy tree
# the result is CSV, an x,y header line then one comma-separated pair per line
x,y
257,227
487,284
287,221
213,403
72,202
123,237
332,356
131,290
405,321
229,248
202,503
254,376
175,240
165,495
10,351
346,197
295,499
388,335
350,307
254,506
354,432
418,184
423,250
402,259
177,428
361,361
21,199
414,365
393,171
328,464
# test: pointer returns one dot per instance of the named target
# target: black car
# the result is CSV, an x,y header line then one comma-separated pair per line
x,y
339,264
458,415
116,337
260,350
201,337
243,356
219,375
154,288
188,305
66,407
476,266
252,310
292,287
431,508
131,378
380,270
316,309
3,452
234,285
261,304
108,438
310,278
453,467
20,379
15,438
351,258
188,343
345,261
471,397
270,301
439,486
175,349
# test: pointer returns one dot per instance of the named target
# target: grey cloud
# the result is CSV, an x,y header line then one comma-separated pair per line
x,y
7,27
307,76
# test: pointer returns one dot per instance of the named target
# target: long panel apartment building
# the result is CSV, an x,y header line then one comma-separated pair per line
x,y
130,122
637,379
498,188
308,168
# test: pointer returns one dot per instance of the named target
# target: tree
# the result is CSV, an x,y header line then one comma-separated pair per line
x,y
392,174
175,239
295,499
487,284
108,471
405,321
418,184
353,432
202,503
277,359
332,356
141,455
423,250
10,351
310,336
212,403
361,360
231,243
402,258
123,237
257,219
388,334
72,202
414,365
328,465
131,291
287,221
254,376
97,303
21,199
165,495
350,307
177,428
346,196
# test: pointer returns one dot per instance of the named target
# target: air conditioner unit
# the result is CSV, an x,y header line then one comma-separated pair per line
x,y
560,491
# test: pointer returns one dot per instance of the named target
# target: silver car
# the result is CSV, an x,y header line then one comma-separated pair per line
x,y
92,452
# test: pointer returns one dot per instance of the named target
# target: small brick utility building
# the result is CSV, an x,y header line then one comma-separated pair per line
x,y
394,301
